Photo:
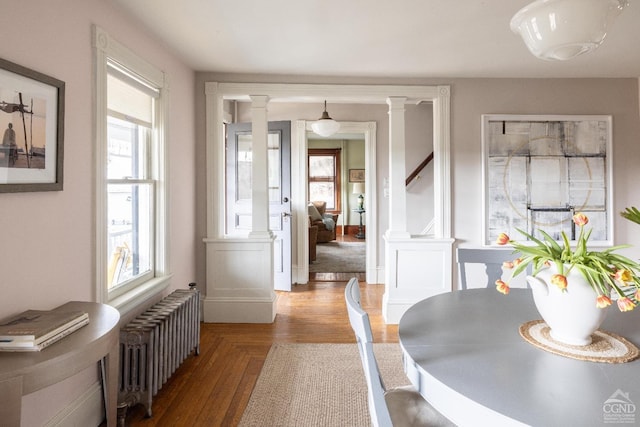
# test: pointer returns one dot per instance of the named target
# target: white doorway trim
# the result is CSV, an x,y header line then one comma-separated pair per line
x,y
216,93
299,177
234,293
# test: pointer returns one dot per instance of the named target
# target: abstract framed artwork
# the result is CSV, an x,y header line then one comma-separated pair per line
x,y
539,170
32,129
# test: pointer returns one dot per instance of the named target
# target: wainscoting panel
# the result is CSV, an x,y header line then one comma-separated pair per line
x,y
416,268
239,281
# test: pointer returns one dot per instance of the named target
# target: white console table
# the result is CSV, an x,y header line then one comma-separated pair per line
x,y
22,373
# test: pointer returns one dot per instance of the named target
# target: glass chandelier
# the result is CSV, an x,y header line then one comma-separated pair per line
x,y
564,29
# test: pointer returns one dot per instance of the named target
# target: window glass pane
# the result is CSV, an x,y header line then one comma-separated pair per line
x,y
130,238
324,183
126,149
273,152
323,191
243,167
321,166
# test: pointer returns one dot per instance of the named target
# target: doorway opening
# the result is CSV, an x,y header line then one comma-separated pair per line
x,y
335,185
349,131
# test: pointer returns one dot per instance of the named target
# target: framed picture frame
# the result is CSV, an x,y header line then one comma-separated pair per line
x,y
539,170
32,129
356,175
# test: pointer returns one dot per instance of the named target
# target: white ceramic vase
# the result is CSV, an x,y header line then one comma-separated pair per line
x,y
572,314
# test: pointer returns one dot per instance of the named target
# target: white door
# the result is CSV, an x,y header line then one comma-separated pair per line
x,y
238,193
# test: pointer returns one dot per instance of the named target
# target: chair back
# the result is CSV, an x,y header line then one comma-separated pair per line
x,y
321,206
361,326
492,258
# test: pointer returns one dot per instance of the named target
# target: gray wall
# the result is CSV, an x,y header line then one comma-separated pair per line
x,y
471,98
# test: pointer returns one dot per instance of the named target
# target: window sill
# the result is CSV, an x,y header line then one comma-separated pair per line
x,y
131,300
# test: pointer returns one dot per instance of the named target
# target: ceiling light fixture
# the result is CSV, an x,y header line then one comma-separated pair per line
x,y
564,29
325,125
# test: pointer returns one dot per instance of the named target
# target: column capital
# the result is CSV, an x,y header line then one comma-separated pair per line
x,y
396,102
259,101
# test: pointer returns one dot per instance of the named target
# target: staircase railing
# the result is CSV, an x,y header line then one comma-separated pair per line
x,y
421,166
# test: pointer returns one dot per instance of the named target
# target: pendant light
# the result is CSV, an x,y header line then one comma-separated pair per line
x,y
564,29
325,125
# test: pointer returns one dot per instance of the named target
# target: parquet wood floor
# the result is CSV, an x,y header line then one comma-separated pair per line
x,y
213,389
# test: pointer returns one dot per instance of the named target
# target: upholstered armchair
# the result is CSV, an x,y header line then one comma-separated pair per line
x,y
313,239
325,222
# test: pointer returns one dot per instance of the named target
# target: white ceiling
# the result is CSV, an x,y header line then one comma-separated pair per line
x,y
372,38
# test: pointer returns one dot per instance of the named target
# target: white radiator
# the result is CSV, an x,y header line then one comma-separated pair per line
x,y
154,344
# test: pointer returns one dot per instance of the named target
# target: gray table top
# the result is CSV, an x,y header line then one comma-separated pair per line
x,y
75,351
467,347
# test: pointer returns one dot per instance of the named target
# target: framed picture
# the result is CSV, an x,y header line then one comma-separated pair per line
x,y
538,171
32,129
356,175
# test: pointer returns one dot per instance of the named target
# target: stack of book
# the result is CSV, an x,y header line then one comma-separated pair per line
x,y
34,330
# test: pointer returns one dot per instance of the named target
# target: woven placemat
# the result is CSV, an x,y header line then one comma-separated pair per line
x,y
606,347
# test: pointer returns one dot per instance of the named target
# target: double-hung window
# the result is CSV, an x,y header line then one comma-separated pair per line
x,y
131,189
324,176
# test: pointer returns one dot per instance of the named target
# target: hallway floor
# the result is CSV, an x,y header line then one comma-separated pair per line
x,y
329,276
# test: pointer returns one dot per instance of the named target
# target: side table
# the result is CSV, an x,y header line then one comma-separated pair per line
x,y
25,372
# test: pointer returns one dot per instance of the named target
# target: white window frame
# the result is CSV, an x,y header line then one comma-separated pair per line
x,y
107,48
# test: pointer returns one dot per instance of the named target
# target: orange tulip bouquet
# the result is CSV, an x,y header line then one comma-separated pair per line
x,y
608,273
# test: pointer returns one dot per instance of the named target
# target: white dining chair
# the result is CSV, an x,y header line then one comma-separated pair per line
x,y
492,258
398,407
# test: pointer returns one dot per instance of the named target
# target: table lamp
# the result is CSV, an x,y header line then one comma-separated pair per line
x,y
358,188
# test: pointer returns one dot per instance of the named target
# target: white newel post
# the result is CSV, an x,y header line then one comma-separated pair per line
x,y
240,274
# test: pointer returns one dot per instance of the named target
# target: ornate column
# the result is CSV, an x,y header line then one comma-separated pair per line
x,y
397,169
259,169
416,267
240,273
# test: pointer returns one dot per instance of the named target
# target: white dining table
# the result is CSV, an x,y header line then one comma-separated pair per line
x,y
463,352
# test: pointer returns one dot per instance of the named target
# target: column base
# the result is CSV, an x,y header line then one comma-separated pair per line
x,y
239,310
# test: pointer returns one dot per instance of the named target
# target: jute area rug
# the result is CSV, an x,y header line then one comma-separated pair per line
x,y
318,385
339,257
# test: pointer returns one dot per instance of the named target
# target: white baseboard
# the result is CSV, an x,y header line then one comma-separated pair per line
x,y
239,310
377,274
86,410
